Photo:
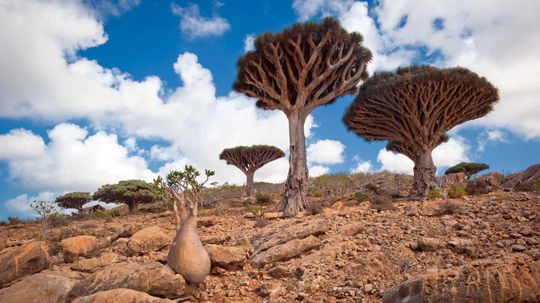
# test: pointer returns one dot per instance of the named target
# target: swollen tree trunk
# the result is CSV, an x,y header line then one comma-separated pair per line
x,y
424,174
132,206
187,255
249,183
295,197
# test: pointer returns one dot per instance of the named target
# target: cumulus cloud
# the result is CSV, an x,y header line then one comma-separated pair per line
x,y
395,162
113,7
73,161
248,43
490,136
362,167
306,9
194,25
325,152
20,205
20,144
318,170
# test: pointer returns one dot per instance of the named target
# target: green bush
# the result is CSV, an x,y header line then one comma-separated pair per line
x,y
360,196
456,191
101,213
434,194
263,199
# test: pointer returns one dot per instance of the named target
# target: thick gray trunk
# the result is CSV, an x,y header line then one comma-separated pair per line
x,y
424,174
249,183
295,197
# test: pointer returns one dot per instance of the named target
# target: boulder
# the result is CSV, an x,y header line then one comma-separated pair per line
x,y
272,215
351,229
484,184
79,246
52,285
528,177
430,244
226,256
16,262
121,295
512,278
93,264
147,240
273,236
153,278
284,252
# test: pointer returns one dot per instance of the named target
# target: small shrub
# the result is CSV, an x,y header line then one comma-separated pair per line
x,y
114,213
261,222
448,208
536,185
374,188
434,194
14,221
360,196
57,219
263,199
381,203
456,191
257,210
315,208
99,213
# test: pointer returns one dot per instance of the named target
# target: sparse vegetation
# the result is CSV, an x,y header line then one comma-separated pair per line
x,y
360,196
448,208
381,203
315,208
536,185
45,210
263,199
104,213
456,191
434,194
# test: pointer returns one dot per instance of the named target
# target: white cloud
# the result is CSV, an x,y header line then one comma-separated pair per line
x,y
74,161
395,162
194,25
20,205
490,136
248,43
362,167
306,9
113,7
318,170
325,152
20,144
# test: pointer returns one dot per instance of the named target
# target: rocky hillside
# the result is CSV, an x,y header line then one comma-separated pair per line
x,y
483,248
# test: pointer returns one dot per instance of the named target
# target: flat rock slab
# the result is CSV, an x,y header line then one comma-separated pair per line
x,y
121,295
153,278
46,286
512,278
147,240
94,264
272,236
284,252
226,256
79,246
17,262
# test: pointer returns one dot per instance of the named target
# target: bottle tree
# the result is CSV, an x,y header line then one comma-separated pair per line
x,y
74,200
413,107
249,159
295,71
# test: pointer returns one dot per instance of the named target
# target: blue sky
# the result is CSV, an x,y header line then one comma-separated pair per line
x,y
97,91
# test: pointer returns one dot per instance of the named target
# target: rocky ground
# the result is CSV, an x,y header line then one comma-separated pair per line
x,y
348,252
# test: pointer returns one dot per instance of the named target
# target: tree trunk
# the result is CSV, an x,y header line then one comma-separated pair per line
x,y
424,174
187,255
249,184
295,197
132,206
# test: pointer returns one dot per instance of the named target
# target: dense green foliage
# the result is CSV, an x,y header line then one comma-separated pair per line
x,y
263,199
434,194
74,200
131,192
469,168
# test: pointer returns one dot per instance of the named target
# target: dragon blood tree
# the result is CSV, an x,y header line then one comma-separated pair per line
x,y
467,168
187,255
295,71
414,107
249,159
74,200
